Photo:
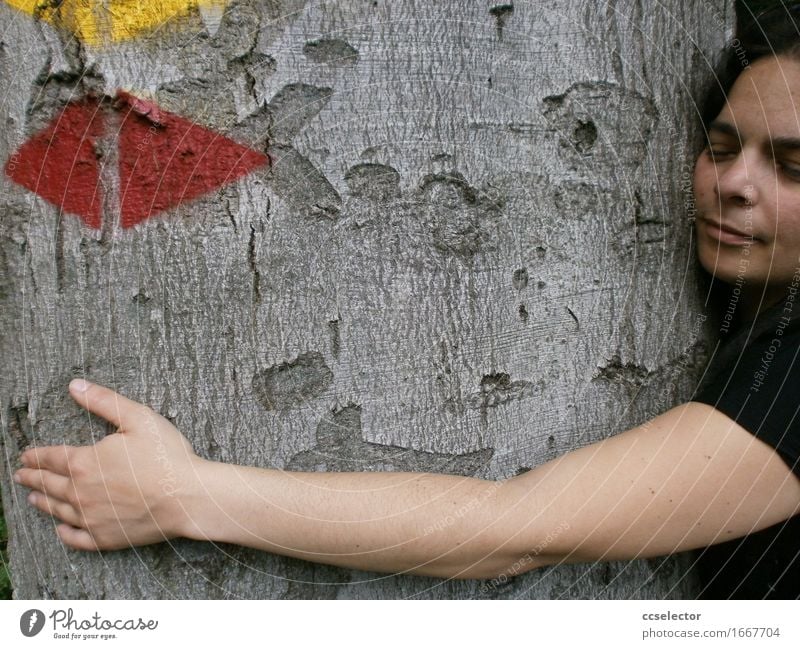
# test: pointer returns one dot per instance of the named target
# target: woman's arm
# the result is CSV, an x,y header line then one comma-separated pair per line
x,y
688,478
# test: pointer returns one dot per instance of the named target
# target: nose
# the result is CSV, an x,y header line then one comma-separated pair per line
x,y
736,181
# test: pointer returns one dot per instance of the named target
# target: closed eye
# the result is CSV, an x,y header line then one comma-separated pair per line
x,y
717,153
791,170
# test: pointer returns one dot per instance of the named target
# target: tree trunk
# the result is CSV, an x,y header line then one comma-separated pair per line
x,y
468,252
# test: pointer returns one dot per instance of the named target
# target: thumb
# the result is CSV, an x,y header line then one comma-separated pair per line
x,y
104,402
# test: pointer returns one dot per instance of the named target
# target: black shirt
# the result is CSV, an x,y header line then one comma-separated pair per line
x,y
753,377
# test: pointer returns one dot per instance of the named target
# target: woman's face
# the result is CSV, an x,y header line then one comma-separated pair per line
x,y
747,182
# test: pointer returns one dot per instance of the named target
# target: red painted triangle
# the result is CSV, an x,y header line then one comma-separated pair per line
x,y
165,159
60,163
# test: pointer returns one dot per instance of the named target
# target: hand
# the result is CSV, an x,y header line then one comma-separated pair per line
x,y
128,489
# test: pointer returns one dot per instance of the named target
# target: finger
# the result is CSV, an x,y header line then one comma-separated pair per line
x,y
52,484
58,508
76,537
52,458
104,402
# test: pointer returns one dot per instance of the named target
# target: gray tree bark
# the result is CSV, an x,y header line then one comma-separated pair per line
x,y
471,254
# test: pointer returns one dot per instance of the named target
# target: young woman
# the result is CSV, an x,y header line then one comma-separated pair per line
x,y
716,469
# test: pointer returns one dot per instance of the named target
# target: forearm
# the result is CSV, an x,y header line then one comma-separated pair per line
x,y
686,479
425,524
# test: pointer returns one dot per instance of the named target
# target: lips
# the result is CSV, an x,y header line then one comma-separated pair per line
x,y
727,234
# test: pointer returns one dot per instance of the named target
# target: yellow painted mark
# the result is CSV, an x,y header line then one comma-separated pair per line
x,y
28,6
97,23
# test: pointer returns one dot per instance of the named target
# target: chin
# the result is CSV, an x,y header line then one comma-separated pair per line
x,y
726,268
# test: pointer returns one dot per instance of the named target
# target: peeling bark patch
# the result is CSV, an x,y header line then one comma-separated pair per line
x,y
461,218
254,65
582,200
292,176
614,371
19,426
140,298
165,160
584,136
649,229
520,278
57,88
497,389
501,14
340,447
60,163
586,109
333,51
293,106
376,182
304,188
292,384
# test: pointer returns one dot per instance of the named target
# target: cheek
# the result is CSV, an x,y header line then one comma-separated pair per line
x,y
703,183
788,227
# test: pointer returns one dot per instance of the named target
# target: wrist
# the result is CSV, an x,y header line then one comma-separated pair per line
x,y
200,514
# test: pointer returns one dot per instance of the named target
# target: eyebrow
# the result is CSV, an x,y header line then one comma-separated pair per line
x,y
786,143
782,143
724,128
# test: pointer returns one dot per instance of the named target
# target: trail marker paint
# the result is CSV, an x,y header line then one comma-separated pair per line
x,y
60,162
97,23
164,160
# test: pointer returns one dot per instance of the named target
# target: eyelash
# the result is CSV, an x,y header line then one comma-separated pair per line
x,y
714,154
791,171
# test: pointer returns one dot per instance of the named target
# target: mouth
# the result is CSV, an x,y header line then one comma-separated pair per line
x,y
726,234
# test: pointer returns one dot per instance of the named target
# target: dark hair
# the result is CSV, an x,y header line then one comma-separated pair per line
x,y
771,32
